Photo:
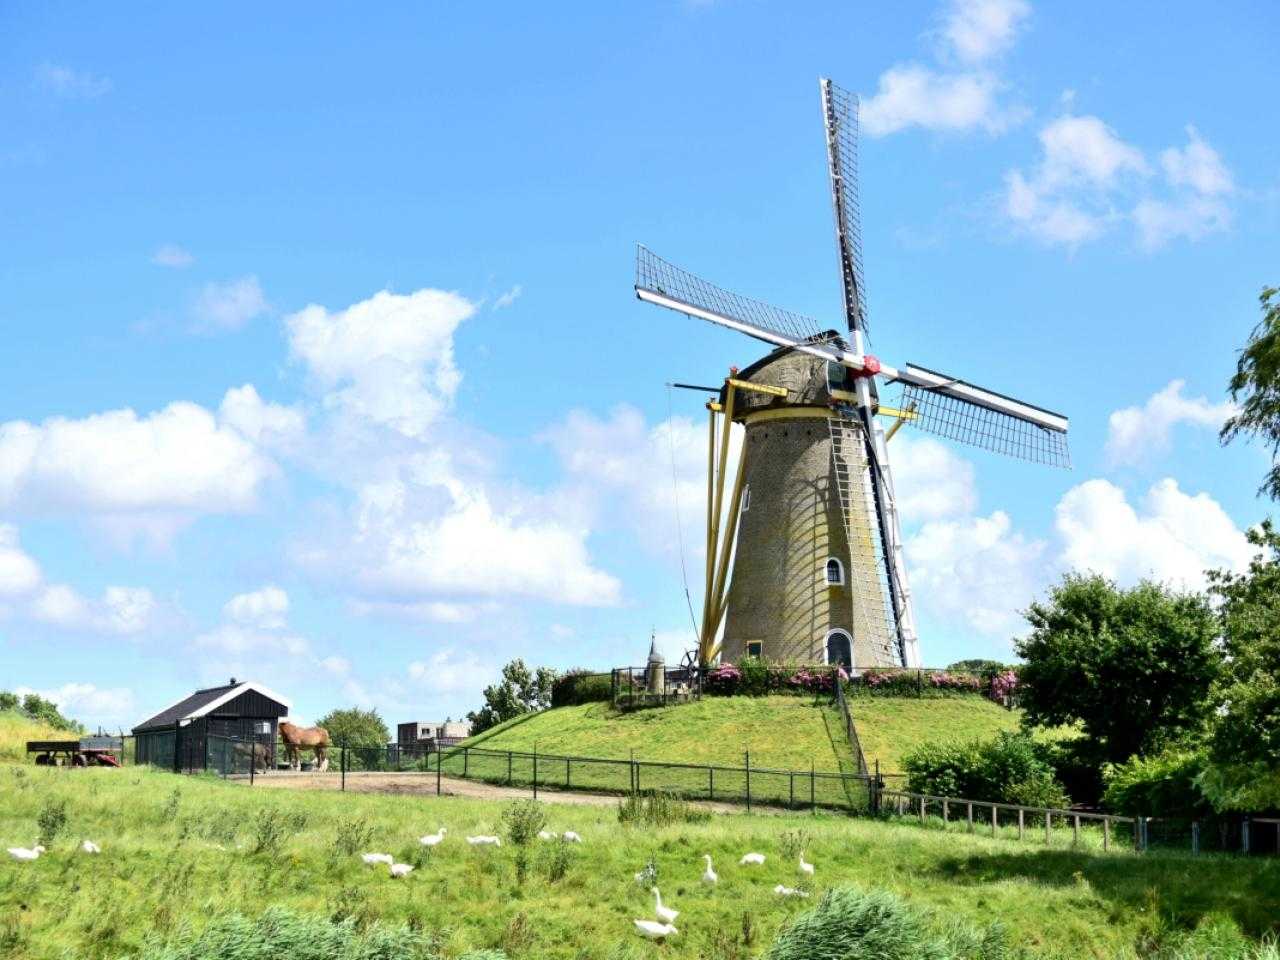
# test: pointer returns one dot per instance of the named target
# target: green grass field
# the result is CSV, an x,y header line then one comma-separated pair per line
x,y
180,851
786,733
889,727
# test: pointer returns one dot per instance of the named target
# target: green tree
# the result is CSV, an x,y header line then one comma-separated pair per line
x,y
1245,743
1134,668
356,728
519,691
1256,388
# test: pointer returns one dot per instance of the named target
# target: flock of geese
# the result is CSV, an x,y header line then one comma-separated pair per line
x,y
658,929
665,926
27,854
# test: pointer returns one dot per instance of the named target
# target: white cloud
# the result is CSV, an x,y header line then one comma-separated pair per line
x,y
92,705
267,608
930,480
508,298
163,468
977,30
234,638
227,306
448,672
912,95
388,359
1136,433
270,426
975,570
172,255
471,549
1173,539
1068,198
1161,222
122,611
1198,166
1087,176
973,32
337,666
71,84
19,573
620,471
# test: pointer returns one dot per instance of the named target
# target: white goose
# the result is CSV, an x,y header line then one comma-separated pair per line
x,y
570,837
485,841
709,875
547,835
433,839
665,914
22,853
805,868
751,859
372,858
401,869
654,930
782,891
90,847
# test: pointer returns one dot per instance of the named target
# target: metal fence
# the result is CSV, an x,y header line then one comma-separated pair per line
x,y
842,703
634,687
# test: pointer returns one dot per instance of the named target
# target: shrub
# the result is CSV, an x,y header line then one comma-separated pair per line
x,y
725,680
1159,786
581,686
353,835
523,820
850,923
1009,768
658,809
51,820
272,826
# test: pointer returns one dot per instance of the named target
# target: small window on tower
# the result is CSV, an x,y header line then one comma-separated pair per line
x,y
755,648
746,498
835,572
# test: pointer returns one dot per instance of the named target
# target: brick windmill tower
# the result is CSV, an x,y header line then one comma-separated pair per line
x,y
810,523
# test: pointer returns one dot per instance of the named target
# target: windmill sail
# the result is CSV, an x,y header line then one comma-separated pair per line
x,y
667,285
840,113
968,414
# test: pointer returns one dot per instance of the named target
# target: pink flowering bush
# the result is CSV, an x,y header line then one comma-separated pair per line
x,y
1003,686
724,680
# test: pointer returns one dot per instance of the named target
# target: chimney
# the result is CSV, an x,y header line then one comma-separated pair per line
x,y
233,682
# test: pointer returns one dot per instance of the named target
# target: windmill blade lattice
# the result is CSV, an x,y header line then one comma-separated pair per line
x,y
840,109
983,427
666,279
875,634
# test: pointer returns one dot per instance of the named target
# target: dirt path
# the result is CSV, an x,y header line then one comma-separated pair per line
x,y
425,785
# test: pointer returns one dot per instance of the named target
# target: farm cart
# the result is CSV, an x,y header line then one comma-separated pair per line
x,y
89,752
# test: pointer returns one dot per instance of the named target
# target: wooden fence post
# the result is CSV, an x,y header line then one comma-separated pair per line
x,y
1075,830
922,809
813,802
1195,836
466,762
747,757
1106,834
946,818
1244,836
439,764
508,768
535,771
1021,821
342,766
1048,828
969,814
995,819
711,782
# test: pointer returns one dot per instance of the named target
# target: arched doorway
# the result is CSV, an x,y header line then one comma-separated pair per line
x,y
840,649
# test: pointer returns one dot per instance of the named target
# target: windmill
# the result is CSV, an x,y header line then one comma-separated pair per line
x,y
811,523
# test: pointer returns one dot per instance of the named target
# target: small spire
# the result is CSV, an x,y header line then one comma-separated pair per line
x,y
654,655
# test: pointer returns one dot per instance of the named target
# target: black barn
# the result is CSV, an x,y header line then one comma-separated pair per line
x,y
197,731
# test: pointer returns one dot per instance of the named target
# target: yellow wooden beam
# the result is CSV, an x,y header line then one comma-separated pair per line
x,y
907,414
720,588
757,387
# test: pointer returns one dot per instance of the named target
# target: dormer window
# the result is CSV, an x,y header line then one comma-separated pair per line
x,y
835,572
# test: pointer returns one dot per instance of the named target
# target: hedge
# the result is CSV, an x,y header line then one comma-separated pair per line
x,y
581,686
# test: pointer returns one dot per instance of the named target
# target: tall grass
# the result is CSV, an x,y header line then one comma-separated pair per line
x,y
179,860
16,730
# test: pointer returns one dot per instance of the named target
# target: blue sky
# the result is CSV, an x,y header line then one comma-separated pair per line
x,y
322,365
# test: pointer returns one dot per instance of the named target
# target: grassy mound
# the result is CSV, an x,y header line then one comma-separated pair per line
x,y
785,733
16,730
182,856
889,727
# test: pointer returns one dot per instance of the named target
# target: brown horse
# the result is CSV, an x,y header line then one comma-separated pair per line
x,y
296,739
